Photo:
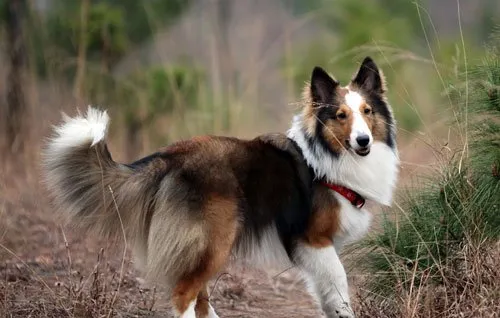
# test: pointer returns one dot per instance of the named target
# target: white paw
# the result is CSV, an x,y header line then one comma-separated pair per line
x,y
340,310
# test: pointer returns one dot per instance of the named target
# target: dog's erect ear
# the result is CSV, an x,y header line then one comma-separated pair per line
x,y
369,78
323,87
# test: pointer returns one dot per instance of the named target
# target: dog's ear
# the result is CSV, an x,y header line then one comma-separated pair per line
x,y
323,87
369,78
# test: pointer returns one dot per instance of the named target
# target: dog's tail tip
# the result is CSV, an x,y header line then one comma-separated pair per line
x,y
90,128
99,121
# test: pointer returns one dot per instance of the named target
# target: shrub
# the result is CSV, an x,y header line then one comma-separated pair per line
x,y
432,252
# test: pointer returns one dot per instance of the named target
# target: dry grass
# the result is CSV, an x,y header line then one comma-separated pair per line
x,y
470,288
34,289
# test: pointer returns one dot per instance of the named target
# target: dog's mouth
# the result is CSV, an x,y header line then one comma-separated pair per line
x,y
360,151
363,151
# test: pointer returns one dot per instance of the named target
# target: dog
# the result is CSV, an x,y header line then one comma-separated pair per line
x,y
191,207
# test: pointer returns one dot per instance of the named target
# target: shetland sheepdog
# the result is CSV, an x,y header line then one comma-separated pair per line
x,y
194,205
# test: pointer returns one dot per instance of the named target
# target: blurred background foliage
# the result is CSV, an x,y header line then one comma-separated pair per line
x,y
96,49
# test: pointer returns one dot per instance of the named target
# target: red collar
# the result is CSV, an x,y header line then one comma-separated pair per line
x,y
355,198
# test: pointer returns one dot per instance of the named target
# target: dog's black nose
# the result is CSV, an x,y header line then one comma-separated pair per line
x,y
363,140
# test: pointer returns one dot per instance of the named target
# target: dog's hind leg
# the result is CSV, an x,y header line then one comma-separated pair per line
x,y
189,296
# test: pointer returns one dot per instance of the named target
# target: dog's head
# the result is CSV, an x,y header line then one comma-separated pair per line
x,y
349,118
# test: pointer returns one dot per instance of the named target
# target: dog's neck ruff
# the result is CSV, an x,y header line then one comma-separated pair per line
x,y
373,176
352,196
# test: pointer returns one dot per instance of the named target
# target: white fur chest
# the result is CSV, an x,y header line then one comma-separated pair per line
x,y
373,176
354,222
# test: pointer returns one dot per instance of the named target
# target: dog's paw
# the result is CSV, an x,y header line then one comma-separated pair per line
x,y
343,310
344,313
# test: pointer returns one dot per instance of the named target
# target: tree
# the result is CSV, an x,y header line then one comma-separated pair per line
x,y
148,94
98,33
107,28
82,50
13,12
91,30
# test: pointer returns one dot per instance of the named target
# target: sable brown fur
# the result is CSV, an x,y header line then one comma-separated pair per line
x,y
325,219
187,207
194,205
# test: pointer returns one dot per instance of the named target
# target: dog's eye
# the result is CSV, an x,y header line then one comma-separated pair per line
x,y
367,111
341,115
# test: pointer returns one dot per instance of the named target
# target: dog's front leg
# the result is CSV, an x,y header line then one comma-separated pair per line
x,y
327,276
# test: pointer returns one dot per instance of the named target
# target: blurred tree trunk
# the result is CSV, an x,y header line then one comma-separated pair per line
x,y
224,8
16,105
82,51
133,139
106,50
221,63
